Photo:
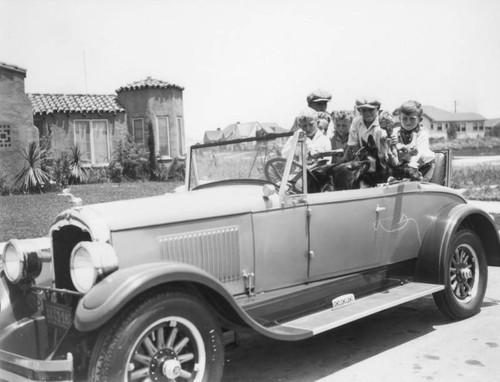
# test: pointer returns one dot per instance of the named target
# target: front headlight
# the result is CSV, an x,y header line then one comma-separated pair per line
x,y
90,263
13,260
22,259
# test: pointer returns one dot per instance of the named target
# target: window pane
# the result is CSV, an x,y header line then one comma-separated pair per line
x,y
163,145
100,133
138,131
180,141
82,138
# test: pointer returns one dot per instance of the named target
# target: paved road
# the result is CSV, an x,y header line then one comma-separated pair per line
x,y
412,342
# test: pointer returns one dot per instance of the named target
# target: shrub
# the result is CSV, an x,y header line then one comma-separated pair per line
x,y
32,177
77,173
115,172
61,171
177,170
98,175
132,158
4,188
160,173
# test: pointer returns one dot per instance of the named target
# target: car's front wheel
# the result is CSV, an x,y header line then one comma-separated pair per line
x,y
170,336
465,277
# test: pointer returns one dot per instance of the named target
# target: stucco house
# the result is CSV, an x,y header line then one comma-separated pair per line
x,y
96,122
438,121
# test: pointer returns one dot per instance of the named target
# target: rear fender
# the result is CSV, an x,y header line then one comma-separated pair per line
x,y
438,236
103,301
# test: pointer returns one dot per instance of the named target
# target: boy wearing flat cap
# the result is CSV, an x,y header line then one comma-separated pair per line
x,y
316,100
364,125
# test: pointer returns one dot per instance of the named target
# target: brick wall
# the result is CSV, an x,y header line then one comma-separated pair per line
x,y
16,121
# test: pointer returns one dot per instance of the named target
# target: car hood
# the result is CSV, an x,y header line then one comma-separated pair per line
x,y
172,208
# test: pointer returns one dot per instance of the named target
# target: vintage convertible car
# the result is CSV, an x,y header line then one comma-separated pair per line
x,y
149,289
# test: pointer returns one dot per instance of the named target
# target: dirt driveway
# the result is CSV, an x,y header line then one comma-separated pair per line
x,y
412,342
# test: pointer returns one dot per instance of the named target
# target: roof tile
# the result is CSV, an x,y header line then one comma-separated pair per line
x,y
74,103
148,83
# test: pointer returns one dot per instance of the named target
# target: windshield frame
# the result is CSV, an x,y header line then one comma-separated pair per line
x,y
192,178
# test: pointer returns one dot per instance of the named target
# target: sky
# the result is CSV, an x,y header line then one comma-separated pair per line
x,y
243,61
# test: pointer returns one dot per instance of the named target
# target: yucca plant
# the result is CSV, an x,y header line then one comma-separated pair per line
x,y
78,173
32,177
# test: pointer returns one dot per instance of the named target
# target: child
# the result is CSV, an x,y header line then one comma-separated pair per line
x,y
415,137
316,141
324,120
343,120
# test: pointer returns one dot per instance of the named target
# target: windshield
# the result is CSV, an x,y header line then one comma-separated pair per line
x,y
241,160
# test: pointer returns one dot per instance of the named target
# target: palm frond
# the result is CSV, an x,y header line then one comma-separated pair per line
x,y
31,177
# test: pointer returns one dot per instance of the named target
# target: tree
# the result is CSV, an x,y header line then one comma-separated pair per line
x,y
452,131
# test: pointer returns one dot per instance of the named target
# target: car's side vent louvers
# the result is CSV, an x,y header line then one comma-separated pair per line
x,y
217,251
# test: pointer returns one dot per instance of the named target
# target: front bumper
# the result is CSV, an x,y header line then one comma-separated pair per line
x,y
25,354
15,368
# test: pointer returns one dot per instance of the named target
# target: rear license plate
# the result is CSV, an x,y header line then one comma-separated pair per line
x,y
58,314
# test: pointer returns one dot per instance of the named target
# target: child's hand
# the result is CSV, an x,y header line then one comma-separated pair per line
x,y
392,140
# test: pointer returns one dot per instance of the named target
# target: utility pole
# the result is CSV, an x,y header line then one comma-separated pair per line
x,y
455,103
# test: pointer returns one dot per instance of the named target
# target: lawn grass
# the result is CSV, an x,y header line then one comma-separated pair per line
x,y
28,216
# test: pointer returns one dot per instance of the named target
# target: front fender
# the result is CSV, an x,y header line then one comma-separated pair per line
x,y
438,237
104,300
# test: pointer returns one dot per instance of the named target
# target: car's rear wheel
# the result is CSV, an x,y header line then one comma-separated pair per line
x,y
465,277
170,336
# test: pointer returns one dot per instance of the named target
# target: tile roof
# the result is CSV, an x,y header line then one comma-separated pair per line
x,y
149,83
440,115
74,103
12,67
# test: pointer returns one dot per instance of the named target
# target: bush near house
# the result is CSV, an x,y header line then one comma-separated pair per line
x,y
43,172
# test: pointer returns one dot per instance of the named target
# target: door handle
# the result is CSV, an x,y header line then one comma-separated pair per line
x,y
379,208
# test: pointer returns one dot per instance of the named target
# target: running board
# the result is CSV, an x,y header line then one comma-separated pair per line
x,y
322,321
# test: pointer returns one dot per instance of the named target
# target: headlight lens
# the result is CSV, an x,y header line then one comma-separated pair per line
x,y
13,261
91,262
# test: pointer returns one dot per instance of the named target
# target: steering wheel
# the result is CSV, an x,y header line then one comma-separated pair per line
x,y
274,168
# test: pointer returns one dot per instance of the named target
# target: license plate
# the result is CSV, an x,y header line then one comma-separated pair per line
x,y
58,314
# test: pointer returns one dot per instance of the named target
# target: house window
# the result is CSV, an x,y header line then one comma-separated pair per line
x,y
180,138
138,131
432,126
462,126
162,144
474,126
5,136
439,127
446,126
481,126
92,137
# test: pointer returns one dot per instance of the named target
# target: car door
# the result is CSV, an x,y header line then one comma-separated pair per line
x,y
281,245
344,231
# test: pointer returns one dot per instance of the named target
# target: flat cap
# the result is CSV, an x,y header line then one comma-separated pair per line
x,y
368,102
319,95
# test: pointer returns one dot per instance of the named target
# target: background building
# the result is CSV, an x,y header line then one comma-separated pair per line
x,y
438,121
149,109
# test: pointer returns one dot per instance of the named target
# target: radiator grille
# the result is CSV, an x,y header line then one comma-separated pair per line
x,y
216,251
